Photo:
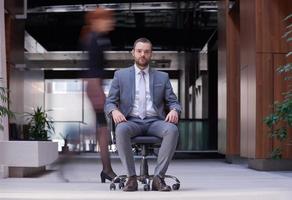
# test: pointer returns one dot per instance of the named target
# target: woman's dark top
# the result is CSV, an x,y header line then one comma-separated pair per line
x,y
96,46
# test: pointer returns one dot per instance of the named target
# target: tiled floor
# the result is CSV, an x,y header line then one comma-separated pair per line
x,y
78,178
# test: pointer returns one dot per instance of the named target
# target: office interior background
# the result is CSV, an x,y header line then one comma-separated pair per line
x,y
221,57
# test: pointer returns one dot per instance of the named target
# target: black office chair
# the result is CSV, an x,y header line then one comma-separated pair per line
x,y
145,145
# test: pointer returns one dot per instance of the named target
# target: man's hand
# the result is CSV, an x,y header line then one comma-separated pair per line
x,y
172,117
118,117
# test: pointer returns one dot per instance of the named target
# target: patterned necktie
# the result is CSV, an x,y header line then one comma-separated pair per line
x,y
142,95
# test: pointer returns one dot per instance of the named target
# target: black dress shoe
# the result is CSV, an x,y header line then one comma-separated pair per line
x,y
158,184
131,185
104,176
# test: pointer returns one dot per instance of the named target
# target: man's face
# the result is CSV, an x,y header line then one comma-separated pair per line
x,y
142,54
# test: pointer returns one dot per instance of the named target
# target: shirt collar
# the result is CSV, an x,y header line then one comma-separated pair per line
x,y
137,70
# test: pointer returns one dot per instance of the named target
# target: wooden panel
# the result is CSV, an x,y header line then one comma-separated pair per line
x,y
244,112
233,83
269,30
247,113
248,78
270,25
265,96
261,28
247,33
228,80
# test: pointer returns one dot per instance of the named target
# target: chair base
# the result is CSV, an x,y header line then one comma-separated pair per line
x,y
144,179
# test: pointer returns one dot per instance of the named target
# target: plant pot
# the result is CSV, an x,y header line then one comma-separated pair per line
x,y
270,164
21,155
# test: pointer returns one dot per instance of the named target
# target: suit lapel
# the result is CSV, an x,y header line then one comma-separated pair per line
x,y
151,82
132,83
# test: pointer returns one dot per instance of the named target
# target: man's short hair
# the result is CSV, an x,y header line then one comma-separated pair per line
x,y
143,40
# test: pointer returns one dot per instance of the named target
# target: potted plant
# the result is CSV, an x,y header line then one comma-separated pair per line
x,y
31,156
40,125
35,153
65,147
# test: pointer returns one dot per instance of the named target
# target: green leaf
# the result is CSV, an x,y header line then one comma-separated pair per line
x,y
276,153
284,68
288,78
286,34
288,17
40,125
271,120
282,134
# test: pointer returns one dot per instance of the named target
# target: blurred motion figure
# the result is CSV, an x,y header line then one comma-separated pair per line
x,y
94,39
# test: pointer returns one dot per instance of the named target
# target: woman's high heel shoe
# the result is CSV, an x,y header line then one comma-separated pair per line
x,y
104,176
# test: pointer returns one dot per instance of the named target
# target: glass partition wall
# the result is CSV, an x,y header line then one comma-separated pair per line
x,y
64,99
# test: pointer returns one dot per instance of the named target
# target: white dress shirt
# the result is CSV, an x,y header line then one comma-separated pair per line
x,y
149,104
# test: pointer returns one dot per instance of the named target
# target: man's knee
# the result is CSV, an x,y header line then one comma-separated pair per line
x,y
172,130
122,130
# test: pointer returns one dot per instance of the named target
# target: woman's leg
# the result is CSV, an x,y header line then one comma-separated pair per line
x,y
103,141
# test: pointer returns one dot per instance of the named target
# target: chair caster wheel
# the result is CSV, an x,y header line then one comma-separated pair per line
x,y
176,186
112,186
121,185
146,187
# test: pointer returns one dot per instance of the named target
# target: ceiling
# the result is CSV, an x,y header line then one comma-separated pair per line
x,y
170,25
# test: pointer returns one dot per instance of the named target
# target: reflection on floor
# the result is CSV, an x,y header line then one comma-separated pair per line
x,y
77,177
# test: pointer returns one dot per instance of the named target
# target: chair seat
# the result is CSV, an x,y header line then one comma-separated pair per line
x,y
146,140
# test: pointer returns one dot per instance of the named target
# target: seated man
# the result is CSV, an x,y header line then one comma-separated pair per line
x,y
137,100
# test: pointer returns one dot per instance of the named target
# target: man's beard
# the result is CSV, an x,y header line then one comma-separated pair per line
x,y
142,64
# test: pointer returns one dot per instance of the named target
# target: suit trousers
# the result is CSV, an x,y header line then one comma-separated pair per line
x,y
148,126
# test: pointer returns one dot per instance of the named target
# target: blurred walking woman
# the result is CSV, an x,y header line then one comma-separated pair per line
x,y
94,38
